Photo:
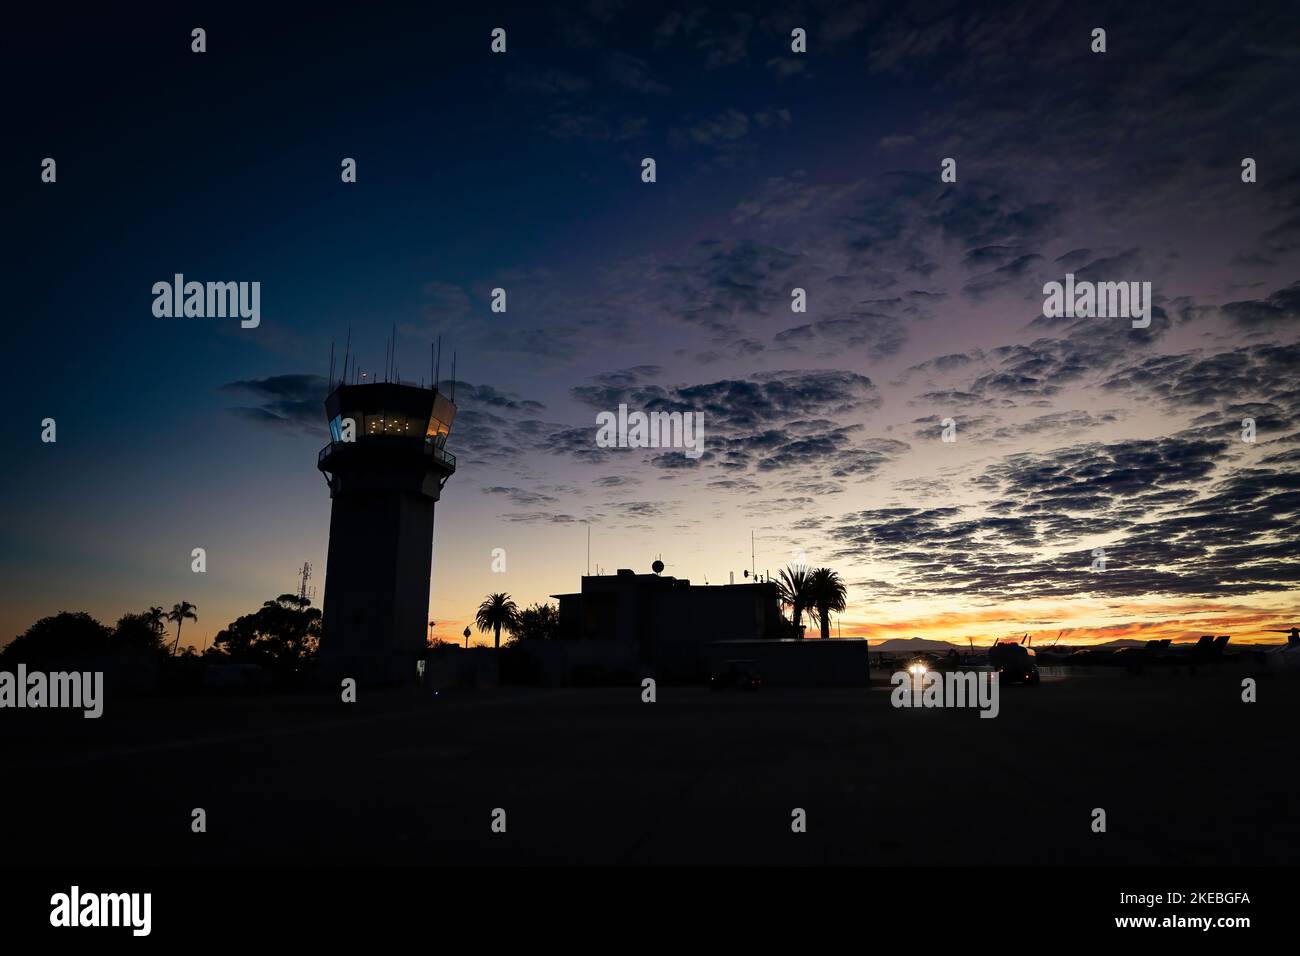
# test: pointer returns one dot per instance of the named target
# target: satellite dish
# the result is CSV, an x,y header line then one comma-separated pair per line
x,y
657,567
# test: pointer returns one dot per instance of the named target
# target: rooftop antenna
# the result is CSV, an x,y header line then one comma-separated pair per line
x,y
453,378
752,563
589,549
437,368
331,378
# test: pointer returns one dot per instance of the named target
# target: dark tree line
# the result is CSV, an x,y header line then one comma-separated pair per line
x,y
281,637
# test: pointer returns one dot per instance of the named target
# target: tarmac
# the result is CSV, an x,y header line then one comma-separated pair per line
x,y
1186,772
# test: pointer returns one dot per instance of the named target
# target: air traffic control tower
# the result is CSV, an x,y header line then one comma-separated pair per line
x,y
386,465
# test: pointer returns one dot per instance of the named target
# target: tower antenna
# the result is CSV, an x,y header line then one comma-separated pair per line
x,y
304,575
347,352
331,378
453,378
394,359
437,372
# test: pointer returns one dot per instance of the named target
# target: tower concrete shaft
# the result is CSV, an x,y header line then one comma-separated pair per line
x,y
386,466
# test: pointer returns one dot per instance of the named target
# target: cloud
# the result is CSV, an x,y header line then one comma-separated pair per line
x,y
547,82
737,405
519,496
716,131
594,128
292,402
1190,381
468,394
1269,313
633,73
1155,505
784,66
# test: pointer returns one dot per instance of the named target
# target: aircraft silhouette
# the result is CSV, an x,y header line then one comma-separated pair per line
x,y
1292,634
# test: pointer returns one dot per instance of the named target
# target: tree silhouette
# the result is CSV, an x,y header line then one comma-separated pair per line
x,y
540,622
180,613
67,638
793,588
497,611
62,636
141,632
155,616
827,593
282,636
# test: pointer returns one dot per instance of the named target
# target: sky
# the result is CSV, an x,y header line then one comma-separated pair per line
x,y
774,171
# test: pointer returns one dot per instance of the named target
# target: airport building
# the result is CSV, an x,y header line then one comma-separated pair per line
x,y
386,466
667,621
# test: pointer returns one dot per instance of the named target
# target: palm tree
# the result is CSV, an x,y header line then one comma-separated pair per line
x,y
154,617
793,588
496,611
828,593
180,613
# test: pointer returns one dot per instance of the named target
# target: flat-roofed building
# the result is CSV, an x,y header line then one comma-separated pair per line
x,y
669,619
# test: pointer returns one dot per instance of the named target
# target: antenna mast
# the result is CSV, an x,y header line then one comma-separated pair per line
x,y
347,352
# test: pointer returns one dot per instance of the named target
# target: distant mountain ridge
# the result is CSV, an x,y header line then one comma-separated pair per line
x,y
903,644
917,644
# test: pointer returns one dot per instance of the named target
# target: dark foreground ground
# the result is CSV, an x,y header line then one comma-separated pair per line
x,y
1187,774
